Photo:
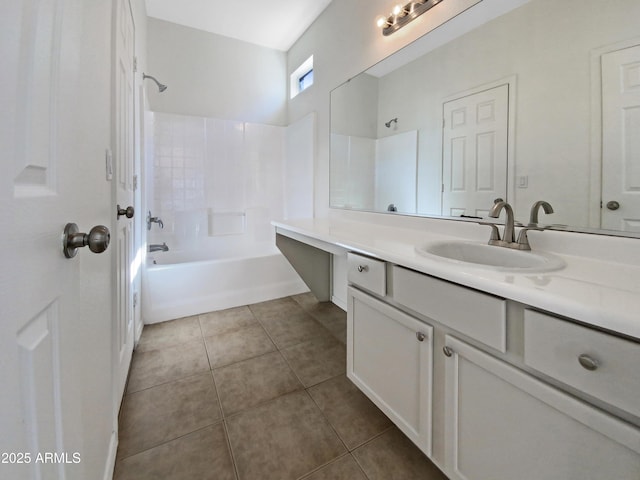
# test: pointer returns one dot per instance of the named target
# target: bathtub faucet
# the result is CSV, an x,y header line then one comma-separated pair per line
x,y
151,220
159,248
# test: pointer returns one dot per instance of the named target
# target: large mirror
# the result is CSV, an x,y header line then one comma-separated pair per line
x,y
539,103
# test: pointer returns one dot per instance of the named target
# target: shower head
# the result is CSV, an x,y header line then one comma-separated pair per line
x,y
161,87
388,124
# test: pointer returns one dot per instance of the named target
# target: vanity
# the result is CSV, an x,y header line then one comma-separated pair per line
x,y
494,372
498,363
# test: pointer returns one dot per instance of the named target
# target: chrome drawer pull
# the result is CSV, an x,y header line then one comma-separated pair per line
x,y
587,362
448,351
363,268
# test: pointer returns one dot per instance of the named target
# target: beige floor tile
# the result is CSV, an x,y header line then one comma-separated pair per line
x,y
305,300
202,455
275,308
330,316
156,367
293,328
159,414
282,439
392,455
353,416
168,334
251,382
224,321
344,468
237,345
317,360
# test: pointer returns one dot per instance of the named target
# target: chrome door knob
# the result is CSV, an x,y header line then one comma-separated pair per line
x,y
613,205
97,239
127,212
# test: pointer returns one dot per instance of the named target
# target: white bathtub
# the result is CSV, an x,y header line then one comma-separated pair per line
x,y
184,283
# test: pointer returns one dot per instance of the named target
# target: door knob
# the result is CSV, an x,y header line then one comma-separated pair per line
x,y
97,239
127,212
613,205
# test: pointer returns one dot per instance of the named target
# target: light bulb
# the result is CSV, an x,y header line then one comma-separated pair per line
x,y
397,9
381,21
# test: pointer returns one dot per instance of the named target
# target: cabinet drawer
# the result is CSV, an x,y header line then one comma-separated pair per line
x,y
599,364
478,315
367,273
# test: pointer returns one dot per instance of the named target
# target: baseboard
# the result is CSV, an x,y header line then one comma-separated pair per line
x,y
339,302
110,466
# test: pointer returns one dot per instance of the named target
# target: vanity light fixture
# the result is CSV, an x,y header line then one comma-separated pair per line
x,y
402,15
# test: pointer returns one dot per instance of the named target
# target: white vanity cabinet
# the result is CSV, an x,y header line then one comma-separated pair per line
x,y
480,370
504,424
502,417
389,357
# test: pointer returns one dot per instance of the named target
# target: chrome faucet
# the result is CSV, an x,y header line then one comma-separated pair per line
x,y
159,248
535,209
151,220
508,237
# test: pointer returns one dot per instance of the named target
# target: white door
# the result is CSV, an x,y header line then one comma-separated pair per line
x,y
474,152
123,116
56,413
621,140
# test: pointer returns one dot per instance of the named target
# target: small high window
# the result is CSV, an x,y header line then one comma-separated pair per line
x,y
302,77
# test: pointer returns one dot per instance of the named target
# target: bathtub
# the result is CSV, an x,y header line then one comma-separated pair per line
x,y
182,283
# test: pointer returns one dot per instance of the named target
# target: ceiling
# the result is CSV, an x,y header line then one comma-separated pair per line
x,y
274,24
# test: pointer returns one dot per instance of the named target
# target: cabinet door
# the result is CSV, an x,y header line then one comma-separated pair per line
x,y
389,357
503,424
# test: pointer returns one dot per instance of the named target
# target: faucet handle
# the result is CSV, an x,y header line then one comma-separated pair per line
x,y
523,240
494,239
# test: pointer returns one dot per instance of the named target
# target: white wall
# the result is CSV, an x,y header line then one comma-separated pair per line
x,y
344,41
210,75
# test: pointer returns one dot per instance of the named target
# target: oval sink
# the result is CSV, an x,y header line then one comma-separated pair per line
x,y
492,257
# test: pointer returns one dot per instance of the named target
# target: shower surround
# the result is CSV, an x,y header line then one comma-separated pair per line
x,y
217,185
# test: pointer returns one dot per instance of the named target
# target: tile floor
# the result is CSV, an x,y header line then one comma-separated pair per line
x,y
256,392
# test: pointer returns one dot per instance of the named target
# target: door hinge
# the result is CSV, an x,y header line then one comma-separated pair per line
x,y
135,182
443,188
135,299
443,123
135,64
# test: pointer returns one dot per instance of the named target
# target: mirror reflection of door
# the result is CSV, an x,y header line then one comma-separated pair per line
x,y
474,152
621,140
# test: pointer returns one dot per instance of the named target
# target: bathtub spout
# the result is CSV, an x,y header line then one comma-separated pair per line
x,y
159,248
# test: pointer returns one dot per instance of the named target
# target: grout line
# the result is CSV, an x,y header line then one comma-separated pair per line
x,y
184,377
326,419
220,420
230,447
317,469
264,402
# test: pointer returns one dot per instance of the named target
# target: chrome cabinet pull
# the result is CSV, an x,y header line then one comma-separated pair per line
x,y
363,268
420,336
588,362
448,351
97,239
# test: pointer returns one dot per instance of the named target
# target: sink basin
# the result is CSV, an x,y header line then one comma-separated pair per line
x,y
492,257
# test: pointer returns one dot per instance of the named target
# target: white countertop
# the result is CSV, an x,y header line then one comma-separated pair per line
x,y
598,290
